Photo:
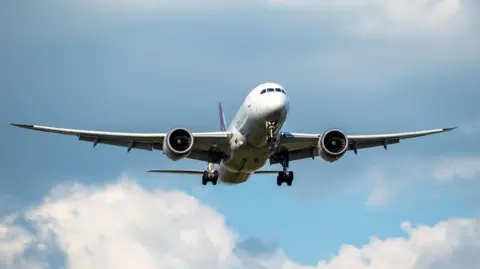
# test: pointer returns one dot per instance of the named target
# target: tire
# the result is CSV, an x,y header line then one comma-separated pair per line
x,y
205,178
280,178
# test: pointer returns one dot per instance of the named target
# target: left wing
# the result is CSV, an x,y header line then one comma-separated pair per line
x,y
203,142
301,146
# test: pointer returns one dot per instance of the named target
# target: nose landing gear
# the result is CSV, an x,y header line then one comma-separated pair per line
x,y
271,136
271,126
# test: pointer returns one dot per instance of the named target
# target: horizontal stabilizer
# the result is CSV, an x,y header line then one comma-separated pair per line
x,y
266,172
199,172
167,171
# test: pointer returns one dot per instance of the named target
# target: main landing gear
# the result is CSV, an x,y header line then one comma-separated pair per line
x,y
285,176
210,175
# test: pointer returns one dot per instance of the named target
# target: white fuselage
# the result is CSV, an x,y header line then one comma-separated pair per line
x,y
249,148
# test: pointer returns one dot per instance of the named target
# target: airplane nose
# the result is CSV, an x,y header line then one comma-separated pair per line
x,y
277,105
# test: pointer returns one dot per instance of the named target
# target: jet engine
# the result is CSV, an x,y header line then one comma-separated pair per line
x,y
332,145
178,144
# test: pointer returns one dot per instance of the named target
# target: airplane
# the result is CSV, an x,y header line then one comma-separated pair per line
x,y
254,137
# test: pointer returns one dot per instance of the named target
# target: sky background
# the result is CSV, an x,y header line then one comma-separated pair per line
x,y
149,66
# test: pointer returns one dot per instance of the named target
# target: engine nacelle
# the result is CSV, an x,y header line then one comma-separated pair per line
x,y
332,145
178,144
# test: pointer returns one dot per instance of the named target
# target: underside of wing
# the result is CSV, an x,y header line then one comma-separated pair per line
x,y
367,141
197,172
300,146
201,143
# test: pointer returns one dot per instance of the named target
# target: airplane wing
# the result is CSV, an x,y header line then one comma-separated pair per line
x,y
199,172
203,142
301,146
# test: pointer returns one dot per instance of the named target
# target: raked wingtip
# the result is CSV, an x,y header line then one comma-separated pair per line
x,y
449,129
27,126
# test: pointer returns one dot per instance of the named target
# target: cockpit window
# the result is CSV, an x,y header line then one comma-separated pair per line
x,y
273,90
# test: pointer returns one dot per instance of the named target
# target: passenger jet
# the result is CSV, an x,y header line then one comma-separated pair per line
x,y
253,138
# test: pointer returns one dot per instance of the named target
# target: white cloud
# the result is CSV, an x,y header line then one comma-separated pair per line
x,y
456,168
13,240
380,194
388,180
404,17
122,225
425,247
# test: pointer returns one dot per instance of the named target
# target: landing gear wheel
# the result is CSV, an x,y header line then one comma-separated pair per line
x,y
215,178
205,178
289,178
280,178
286,177
210,177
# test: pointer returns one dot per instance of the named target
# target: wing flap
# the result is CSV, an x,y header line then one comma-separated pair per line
x,y
373,143
130,144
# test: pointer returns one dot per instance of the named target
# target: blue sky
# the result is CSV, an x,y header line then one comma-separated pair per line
x,y
149,66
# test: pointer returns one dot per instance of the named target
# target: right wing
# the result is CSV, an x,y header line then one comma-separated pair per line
x,y
203,142
301,146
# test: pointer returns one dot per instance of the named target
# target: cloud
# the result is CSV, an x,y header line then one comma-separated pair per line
x,y
425,247
402,17
388,180
462,168
122,225
256,247
380,194
13,240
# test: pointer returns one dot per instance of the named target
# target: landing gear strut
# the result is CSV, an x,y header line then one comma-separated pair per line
x,y
210,175
271,125
285,176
